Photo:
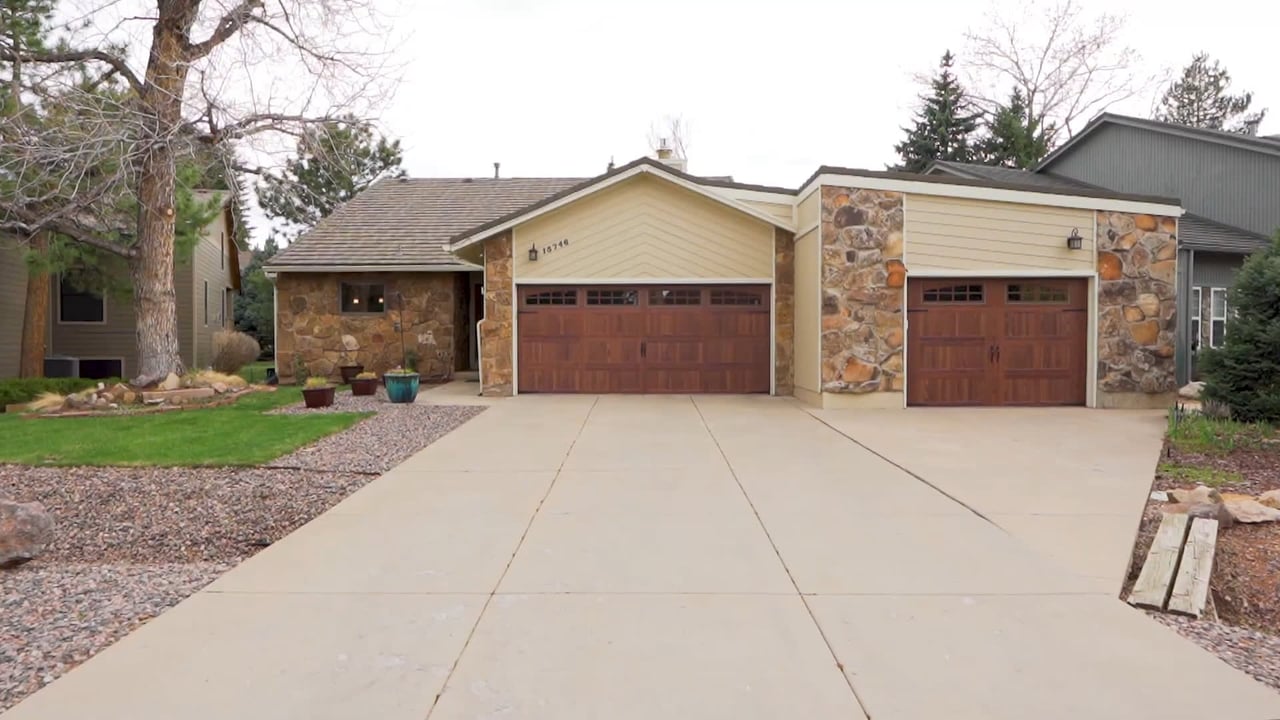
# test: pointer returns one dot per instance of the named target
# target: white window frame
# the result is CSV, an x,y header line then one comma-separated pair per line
x,y
103,321
1213,315
1197,340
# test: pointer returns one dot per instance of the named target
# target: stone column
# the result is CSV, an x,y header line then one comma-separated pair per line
x,y
1137,309
862,291
497,364
784,311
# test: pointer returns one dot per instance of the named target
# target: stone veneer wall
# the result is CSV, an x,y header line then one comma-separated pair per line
x,y
497,365
784,311
311,327
862,291
1137,308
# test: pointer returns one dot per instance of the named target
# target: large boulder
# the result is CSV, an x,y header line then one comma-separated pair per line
x,y
1205,510
26,529
1191,391
1196,495
1270,498
171,382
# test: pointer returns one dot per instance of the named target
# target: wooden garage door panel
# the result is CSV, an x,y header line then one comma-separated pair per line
x,y
997,341
685,339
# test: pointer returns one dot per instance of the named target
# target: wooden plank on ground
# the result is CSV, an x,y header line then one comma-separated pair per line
x,y
1191,584
1152,588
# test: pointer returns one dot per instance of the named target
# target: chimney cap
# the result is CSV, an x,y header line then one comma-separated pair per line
x,y
496,166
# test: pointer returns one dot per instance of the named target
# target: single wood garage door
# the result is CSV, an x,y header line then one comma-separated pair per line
x,y
644,339
997,341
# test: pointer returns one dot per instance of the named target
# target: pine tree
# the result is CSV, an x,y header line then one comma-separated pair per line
x,y
334,162
1244,374
944,124
1013,139
1201,98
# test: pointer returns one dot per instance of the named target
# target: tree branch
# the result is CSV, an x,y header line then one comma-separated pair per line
x,y
235,19
76,56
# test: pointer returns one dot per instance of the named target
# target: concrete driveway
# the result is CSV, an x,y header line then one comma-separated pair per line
x,y
669,557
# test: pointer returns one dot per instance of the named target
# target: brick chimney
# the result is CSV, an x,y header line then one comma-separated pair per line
x,y
668,155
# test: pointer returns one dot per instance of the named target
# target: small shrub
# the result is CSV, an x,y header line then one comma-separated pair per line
x,y
316,382
1244,374
233,350
300,373
207,378
367,376
14,391
47,401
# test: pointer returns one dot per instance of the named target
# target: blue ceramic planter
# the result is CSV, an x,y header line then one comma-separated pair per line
x,y
401,388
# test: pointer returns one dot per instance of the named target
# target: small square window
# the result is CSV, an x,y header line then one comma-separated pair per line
x,y
736,297
552,297
79,305
1035,293
954,294
613,297
363,298
676,296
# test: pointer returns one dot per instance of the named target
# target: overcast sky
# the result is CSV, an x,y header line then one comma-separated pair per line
x,y
771,90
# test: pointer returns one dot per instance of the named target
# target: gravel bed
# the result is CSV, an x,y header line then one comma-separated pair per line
x,y
54,617
131,542
380,442
1249,651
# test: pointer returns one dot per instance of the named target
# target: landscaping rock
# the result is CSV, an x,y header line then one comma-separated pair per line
x,y
25,530
117,392
172,382
1196,495
176,397
1270,498
1251,511
220,388
1160,496
1191,391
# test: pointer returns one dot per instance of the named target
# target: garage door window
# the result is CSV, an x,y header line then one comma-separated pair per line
x,y
681,296
361,298
552,297
736,297
954,294
1035,293
613,297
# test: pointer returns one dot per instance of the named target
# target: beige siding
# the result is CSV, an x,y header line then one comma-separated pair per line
x,y
208,264
645,228
13,301
781,211
808,312
807,211
960,234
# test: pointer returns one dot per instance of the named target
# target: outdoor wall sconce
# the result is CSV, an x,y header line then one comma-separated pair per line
x,y
533,253
1074,241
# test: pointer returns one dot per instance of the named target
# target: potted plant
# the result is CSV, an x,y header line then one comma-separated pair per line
x,y
402,385
348,369
366,383
317,392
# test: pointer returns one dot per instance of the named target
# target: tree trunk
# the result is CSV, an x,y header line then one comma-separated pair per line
x,y
35,318
154,299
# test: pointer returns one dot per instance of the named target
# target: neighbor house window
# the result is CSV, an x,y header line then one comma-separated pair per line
x,y
1195,318
363,298
1217,316
78,305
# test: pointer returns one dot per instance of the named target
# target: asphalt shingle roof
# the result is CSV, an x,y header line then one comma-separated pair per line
x,y
1201,233
1048,181
407,221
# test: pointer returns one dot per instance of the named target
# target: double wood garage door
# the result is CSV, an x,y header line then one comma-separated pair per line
x,y
644,339
997,342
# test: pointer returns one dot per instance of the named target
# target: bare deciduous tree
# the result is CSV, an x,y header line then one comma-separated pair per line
x,y
98,165
1068,65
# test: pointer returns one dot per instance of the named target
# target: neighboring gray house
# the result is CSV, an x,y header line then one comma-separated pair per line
x,y
1229,184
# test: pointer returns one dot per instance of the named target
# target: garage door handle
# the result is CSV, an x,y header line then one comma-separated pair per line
x,y
642,348
997,353
991,353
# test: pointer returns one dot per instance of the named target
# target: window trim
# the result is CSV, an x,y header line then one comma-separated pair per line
x,y
362,313
103,321
206,303
1196,318
1213,317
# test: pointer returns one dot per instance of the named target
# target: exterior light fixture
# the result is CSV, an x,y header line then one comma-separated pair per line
x,y
533,253
1074,241
355,301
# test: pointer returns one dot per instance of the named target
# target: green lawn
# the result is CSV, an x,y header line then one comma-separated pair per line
x,y
238,435
256,372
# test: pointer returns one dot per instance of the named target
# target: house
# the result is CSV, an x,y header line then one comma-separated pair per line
x,y
855,289
1228,182
93,334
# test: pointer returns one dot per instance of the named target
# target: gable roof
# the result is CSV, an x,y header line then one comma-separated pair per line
x,y
1048,181
1200,233
405,222
1252,143
640,166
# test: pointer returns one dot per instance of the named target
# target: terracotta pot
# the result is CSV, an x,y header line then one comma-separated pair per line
x,y
349,372
365,386
401,387
318,397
